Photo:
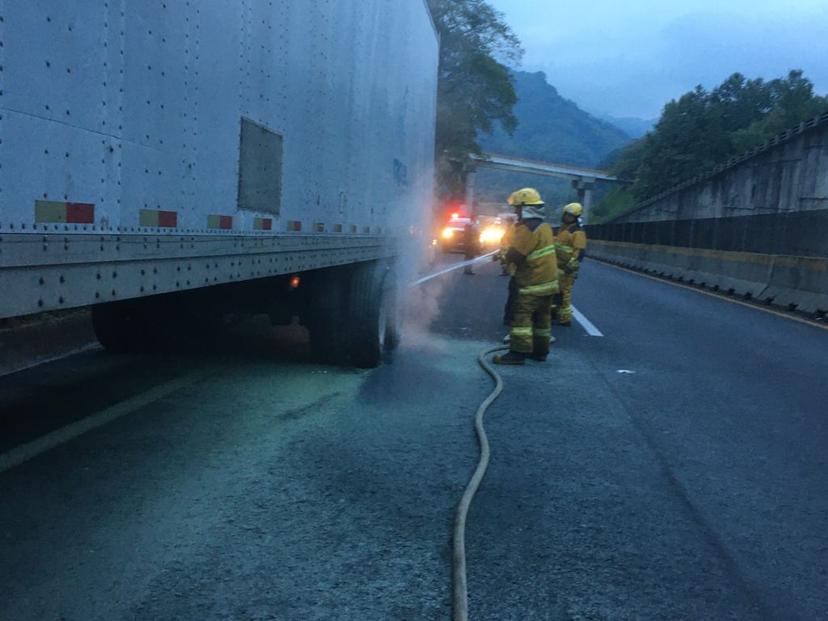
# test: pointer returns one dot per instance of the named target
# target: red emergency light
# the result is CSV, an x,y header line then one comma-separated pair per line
x,y
455,211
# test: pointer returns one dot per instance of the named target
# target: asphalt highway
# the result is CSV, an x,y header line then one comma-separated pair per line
x,y
672,469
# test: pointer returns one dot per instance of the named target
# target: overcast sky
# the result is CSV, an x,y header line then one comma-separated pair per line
x,y
629,57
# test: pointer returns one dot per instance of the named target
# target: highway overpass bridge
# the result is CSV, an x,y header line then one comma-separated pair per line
x,y
583,178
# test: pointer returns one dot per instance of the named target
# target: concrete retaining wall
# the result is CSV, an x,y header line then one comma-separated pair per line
x,y
799,283
787,174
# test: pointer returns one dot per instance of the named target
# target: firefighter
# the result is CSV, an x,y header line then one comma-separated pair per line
x,y
505,242
571,244
508,269
471,244
532,251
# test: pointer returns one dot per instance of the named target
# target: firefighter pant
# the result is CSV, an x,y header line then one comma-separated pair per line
x,y
531,324
509,309
567,283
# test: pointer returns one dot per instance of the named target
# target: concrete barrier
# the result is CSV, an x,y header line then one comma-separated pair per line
x,y
792,282
799,281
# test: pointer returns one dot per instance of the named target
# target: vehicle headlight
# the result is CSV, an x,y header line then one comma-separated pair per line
x,y
448,233
491,235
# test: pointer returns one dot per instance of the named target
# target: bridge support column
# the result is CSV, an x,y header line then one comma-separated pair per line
x,y
470,198
584,187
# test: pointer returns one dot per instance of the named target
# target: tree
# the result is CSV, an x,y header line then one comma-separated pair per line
x,y
475,88
790,101
703,129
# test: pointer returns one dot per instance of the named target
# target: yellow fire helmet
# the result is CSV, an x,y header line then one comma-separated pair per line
x,y
574,209
526,196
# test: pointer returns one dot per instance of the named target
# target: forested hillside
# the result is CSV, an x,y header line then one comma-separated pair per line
x,y
553,128
634,127
550,128
705,128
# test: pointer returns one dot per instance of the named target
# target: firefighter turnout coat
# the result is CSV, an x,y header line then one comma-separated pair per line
x,y
571,243
538,273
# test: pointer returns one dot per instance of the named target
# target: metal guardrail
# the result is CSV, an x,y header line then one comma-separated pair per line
x,y
799,233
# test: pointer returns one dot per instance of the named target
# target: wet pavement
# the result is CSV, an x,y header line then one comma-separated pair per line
x,y
243,482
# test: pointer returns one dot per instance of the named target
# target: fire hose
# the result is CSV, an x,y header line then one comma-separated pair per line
x,y
460,596
460,599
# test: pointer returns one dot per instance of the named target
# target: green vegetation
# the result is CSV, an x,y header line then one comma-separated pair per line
x,y
553,128
475,90
483,106
617,201
705,128
634,127
550,128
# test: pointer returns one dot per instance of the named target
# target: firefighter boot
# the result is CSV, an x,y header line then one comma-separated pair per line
x,y
540,353
540,348
513,358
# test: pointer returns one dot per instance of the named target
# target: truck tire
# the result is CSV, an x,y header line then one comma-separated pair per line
x,y
352,315
326,317
393,325
370,316
120,326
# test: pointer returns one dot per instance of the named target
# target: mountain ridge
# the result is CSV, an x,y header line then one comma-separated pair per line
x,y
553,128
550,128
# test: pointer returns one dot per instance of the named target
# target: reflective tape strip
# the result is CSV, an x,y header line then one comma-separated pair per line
x,y
80,213
543,252
219,222
543,333
64,213
294,225
50,211
566,248
155,218
263,224
521,331
547,288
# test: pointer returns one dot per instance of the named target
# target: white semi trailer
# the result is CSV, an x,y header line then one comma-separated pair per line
x,y
164,161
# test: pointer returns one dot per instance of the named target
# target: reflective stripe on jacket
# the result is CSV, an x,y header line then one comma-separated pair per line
x,y
572,241
538,275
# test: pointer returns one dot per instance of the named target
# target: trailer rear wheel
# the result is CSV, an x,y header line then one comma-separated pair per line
x,y
326,316
391,297
120,326
352,315
372,315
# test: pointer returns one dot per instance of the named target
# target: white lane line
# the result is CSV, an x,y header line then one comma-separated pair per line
x,y
25,452
42,361
452,268
578,315
586,324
